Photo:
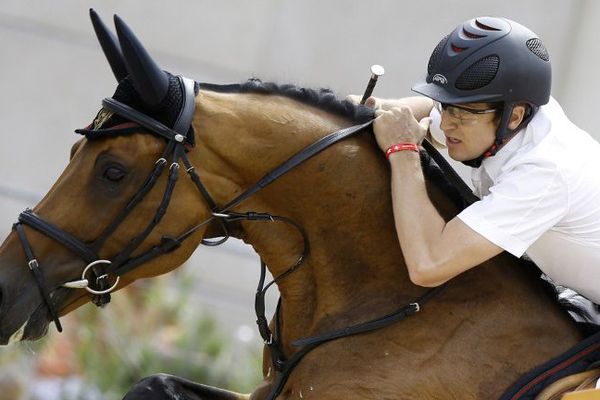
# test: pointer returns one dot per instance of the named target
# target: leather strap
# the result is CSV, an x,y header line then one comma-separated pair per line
x,y
38,275
176,138
31,219
313,342
295,160
135,200
147,122
119,260
465,191
184,120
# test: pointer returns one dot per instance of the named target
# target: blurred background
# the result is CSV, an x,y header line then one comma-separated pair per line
x,y
198,321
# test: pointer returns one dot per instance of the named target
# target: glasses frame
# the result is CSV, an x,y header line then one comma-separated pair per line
x,y
442,107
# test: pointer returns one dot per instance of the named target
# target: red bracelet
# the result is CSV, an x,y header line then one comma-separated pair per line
x,y
399,147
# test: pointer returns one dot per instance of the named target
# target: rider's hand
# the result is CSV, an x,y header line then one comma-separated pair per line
x,y
399,126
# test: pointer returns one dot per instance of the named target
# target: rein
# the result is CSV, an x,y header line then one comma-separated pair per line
x,y
175,150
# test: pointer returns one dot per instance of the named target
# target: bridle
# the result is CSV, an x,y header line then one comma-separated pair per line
x,y
122,262
174,153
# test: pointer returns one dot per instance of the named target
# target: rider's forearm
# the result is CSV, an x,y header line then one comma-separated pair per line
x,y
418,224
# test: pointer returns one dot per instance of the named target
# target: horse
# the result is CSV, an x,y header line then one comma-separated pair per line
x,y
324,229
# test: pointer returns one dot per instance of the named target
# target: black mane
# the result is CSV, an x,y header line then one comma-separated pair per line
x,y
322,98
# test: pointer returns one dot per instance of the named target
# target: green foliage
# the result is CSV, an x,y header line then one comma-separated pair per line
x,y
159,329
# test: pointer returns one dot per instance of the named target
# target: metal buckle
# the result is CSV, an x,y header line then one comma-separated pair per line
x,y
33,264
416,306
83,283
269,341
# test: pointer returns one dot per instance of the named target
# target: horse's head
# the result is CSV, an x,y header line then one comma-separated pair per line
x,y
116,201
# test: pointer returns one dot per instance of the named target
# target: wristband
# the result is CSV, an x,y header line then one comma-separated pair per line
x,y
400,147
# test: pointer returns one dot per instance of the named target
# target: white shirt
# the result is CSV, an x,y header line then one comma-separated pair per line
x,y
540,195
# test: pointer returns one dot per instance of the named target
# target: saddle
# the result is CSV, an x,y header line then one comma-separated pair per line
x,y
584,395
581,386
573,375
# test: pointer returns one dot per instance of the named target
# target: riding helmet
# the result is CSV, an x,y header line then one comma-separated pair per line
x,y
488,59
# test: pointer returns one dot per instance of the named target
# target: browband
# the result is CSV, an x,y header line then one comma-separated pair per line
x,y
182,124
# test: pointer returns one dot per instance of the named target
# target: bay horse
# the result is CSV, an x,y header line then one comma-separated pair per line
x,y
324,229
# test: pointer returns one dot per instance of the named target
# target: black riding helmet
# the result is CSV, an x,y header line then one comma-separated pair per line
x,y
489,59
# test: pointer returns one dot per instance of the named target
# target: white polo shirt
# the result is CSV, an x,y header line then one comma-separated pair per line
x,y
540,195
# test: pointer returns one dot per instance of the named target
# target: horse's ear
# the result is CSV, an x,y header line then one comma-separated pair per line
x,y
149,80
110,46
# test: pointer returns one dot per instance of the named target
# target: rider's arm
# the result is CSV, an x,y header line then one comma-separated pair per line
x,y
434,251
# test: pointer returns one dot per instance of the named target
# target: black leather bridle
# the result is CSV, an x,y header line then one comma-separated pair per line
x,y
122,262
175,152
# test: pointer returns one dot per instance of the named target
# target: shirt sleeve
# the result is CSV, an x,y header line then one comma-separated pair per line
x,y
523,204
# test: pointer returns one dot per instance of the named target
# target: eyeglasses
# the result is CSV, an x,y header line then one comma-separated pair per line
x,y
465,115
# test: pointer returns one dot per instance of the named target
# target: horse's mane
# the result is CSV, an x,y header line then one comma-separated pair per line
x,y
322,98
325,99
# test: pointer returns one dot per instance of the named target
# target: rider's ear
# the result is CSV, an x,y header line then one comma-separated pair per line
x,y
75,147
518,113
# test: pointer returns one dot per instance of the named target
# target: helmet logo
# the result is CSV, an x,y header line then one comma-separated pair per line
x,y
439,78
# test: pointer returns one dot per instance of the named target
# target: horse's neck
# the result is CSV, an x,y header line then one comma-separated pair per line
x,y
355,270
341,197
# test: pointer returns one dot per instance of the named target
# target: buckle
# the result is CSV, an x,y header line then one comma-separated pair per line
x,y
416,307
33,264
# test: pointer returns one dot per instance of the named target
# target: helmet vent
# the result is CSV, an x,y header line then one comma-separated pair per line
x,y
537,47
478,74
471,35
485,27
457,49
435,56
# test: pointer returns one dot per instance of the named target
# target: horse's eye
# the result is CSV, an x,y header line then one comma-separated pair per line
x,y
114,174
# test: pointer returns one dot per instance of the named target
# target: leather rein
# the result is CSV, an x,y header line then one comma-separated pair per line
x,y
175,151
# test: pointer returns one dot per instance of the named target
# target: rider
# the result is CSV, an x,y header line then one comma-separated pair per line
x,y
537,175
